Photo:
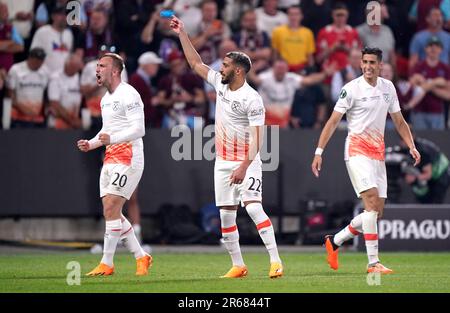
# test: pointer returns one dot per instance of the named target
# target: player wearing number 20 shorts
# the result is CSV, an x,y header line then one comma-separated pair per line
x,y
238,137
121,133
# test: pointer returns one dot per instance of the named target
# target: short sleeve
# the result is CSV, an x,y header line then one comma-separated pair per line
x,y
11,80
256,113
394,105
344,103
214,78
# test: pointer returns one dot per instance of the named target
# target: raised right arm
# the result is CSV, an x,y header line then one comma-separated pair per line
x,y
192,56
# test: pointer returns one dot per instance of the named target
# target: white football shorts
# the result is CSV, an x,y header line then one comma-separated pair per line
x,y
119,179
249,190
367,173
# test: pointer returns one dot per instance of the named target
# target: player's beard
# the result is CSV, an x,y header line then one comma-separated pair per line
x,y
228,78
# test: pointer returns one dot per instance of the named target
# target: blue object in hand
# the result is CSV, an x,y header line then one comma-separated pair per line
x,y
166,13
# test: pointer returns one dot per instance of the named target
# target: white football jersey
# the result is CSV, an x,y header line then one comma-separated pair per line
x,y
57,45
120,110
366,108
65,90
236,111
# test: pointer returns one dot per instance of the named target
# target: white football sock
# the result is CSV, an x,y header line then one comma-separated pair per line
x,y
138,232
129,240
353,229
369,226
230,236
112,235
256,212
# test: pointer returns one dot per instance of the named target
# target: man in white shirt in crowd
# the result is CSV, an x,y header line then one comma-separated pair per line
x,y
56,39
26,83
65,96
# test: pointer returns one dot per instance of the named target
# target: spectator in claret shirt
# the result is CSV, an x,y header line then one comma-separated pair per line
x,y
419,41
141,80
434,76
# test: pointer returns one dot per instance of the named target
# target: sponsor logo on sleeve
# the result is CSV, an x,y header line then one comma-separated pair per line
x,y
343,94
132,106
257,112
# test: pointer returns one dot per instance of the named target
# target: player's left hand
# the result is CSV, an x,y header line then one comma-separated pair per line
x,y
238,175
416,156
104,138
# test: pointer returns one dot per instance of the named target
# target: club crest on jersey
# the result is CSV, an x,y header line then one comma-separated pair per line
x,y
235,106
115,105
343,94
386,97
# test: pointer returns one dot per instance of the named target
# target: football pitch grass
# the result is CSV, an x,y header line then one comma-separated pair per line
x,y
199,273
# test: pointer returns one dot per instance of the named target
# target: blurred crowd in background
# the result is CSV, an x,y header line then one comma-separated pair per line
x,y
303,53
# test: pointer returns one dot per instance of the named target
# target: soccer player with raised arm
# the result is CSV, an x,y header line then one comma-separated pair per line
x,y
366,100
121,133
238,138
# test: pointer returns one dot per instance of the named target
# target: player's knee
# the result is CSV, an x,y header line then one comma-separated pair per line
x,y
110,210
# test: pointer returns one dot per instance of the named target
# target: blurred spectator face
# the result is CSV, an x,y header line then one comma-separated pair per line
x,y
34,63
73,65
295,16
354,58
270,6
209,12
435,19
150,69
177,66
248,21
433,51
59,20
98,21
4,14
387,71
280,68
226,46
340,17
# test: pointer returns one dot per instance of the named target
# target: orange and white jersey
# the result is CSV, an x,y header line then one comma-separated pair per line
x,y
236,111
29,87
66,91
366,107
123,120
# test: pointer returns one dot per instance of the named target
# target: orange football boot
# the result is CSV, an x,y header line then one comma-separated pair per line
x,y
276,270
143,264
101,270
236,272
379,268
332,254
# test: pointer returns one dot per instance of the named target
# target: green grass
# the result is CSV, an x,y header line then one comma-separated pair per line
x,y
304,272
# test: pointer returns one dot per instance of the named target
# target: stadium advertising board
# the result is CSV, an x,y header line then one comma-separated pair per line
x,y
412,227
